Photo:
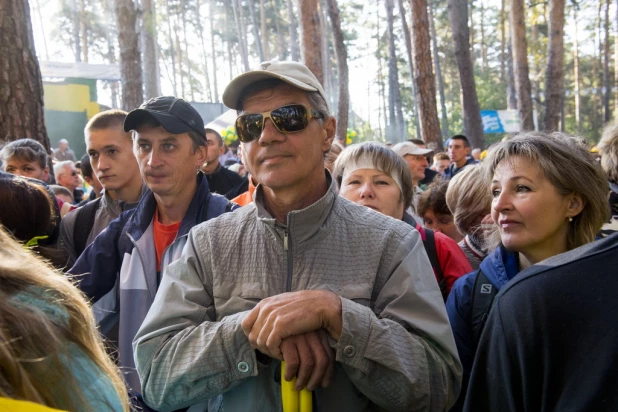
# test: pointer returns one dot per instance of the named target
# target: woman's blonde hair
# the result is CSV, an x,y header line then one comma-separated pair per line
x,y
468,197
383,159
608,148
35,350
566,163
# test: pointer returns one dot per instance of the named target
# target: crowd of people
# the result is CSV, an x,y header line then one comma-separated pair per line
x,y
164,272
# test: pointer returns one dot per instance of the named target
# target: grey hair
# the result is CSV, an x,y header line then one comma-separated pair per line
x,y
60,166
608,148
565,162
383,159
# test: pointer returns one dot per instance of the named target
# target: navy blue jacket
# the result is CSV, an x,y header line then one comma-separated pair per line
x,y
499,266
122,259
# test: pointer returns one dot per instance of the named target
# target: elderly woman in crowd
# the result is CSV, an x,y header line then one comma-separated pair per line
x,y
549,197
608,148
372,175
468,198
51,352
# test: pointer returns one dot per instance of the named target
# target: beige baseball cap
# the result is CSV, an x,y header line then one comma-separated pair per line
x,y
409,148
294,73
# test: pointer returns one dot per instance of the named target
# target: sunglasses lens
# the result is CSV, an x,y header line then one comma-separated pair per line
x,y
249,127
290,118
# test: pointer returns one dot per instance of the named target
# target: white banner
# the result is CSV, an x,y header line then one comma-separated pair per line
x,y
82,70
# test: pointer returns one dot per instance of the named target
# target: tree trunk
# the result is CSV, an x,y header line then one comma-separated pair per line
x,y
381,92
341,52
130,56
311,37
179,58
254,27
436,59
213,49
394,97
21,88
327,68
183,15
172,48
151,54
283,51
473,126
511,92
83,29
423,76
228,43
520,60
242,36
607,114
408,42
264,30
576,72
502,41
483,42
77,46
554,75
200,28
294,51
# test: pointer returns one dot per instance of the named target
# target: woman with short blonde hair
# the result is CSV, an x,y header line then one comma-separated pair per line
x,y
469,200
548,197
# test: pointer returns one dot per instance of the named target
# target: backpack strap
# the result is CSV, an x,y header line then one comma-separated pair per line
x,y
430,247
483,295
83,225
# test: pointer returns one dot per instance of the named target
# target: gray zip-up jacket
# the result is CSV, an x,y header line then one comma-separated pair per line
x,y
396,350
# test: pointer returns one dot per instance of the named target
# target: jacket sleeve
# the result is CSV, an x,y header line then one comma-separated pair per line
x,y
97,267
401,353
65,241
458,307
183,355
495,381
453,261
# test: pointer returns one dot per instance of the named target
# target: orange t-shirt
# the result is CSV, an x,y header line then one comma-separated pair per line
x,y
245,198
164,235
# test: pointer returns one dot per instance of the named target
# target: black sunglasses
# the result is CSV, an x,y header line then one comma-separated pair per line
x,y
287,119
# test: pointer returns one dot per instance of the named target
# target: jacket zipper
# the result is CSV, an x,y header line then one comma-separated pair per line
x,y
287,246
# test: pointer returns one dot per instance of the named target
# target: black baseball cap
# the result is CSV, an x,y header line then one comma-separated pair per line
x,y
175,115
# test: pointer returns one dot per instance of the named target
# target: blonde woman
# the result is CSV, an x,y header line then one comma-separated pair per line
x,y
50,350
469,200
548,197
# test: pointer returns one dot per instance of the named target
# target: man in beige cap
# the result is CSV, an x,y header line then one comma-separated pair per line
x,y
417,162
346,296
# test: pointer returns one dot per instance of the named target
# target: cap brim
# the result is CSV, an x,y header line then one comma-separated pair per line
x,y
234,89
138,117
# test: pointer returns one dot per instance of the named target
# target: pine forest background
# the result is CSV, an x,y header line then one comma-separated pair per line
x,y
192,48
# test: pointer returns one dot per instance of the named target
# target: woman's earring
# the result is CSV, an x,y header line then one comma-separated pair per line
x,y
570,218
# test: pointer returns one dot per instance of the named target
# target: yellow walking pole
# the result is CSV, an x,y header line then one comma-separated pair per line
x,y
293,400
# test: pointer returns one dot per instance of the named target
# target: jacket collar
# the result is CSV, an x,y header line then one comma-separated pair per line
x,y
142,217
302,224
500,266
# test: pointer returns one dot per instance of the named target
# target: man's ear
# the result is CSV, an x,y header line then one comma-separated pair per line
x,y
467,150
88,180
200,156
329,129
576,204
221,150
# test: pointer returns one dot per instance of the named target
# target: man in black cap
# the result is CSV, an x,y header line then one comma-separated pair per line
x,y
170,146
